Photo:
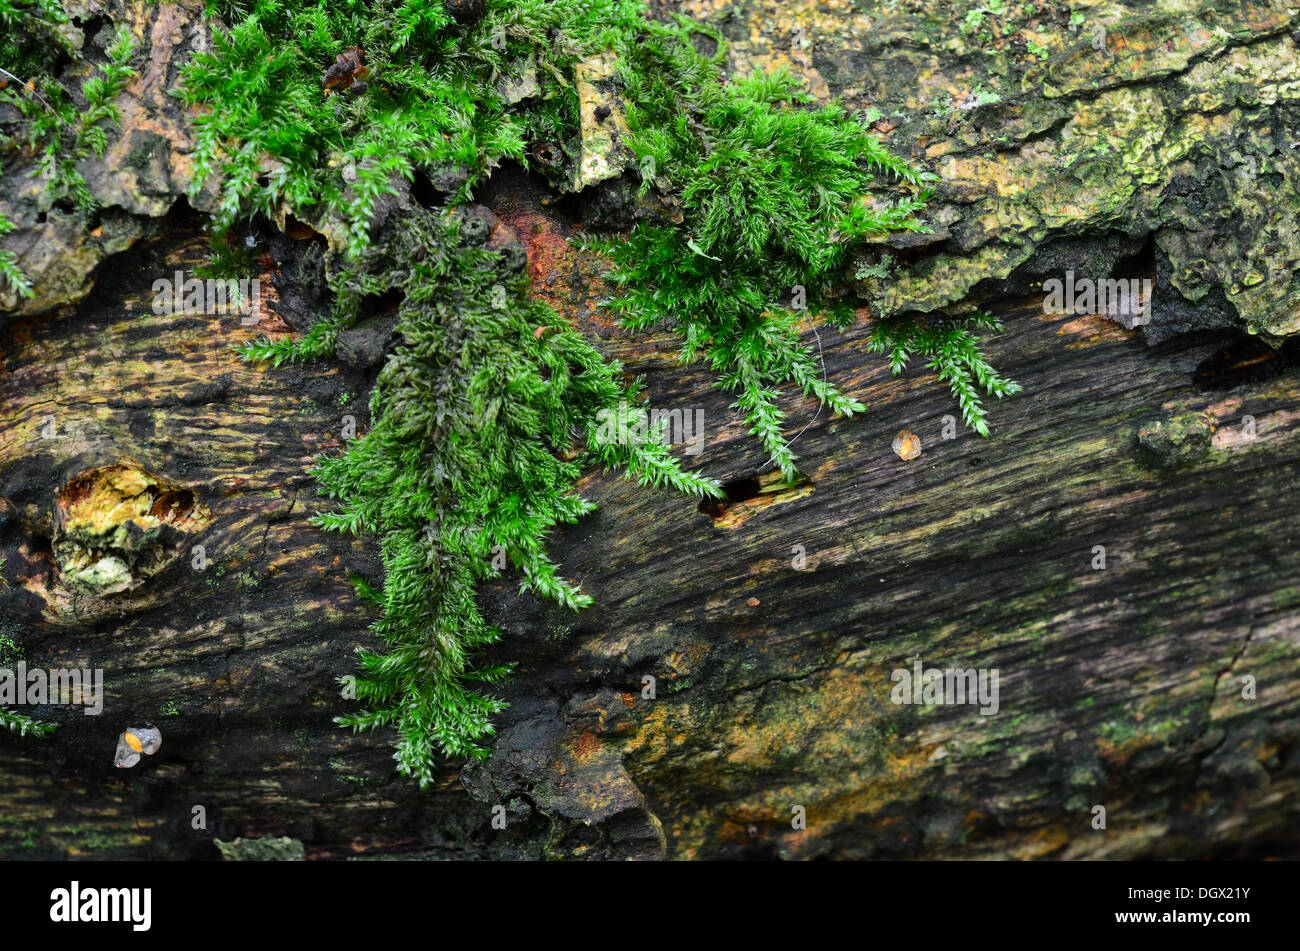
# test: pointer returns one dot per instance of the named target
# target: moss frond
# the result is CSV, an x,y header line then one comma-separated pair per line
x,y
24,725
773,196
953,353
480,424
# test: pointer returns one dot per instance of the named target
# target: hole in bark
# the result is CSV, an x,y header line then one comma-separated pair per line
x,y
1140,265
741,490
41,547
172,505
423,191
116,526
90,27
1245,359
750,494
546,153
705,45
1134,277
381,305
299,230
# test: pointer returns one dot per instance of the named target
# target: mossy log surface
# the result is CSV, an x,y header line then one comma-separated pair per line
x,y
1120,686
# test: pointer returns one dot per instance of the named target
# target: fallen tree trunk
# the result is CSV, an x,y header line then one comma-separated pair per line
x,y
1120,687
1120,551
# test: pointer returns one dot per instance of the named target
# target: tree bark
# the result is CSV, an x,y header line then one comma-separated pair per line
x,y
772,625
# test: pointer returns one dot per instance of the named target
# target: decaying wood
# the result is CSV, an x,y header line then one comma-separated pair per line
x,y
772,625
1119,687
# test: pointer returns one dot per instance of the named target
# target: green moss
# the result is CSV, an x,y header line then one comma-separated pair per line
x,y
11,652
772,199
10,273
339,766
1119,731
24,725
63,129
489,407
228,259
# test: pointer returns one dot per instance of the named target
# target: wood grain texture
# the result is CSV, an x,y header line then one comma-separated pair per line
x,y
1118,687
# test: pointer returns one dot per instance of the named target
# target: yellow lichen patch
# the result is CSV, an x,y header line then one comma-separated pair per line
x,y
678,664
108,497
839,721
117,525
103,499
604,129
586,746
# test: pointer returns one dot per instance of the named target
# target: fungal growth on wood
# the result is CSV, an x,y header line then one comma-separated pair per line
x,y
135,743
117,526
906,445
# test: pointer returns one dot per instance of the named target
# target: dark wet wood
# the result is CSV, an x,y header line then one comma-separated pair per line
x,y
1119,687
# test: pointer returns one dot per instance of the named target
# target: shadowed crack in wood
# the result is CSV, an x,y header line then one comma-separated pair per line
x,y
746,496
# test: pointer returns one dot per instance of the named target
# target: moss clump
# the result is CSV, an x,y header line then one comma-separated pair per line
x,y
433,100
64,126
24,725
952,350
266,849
1175,441
487,408
482,425
773,198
